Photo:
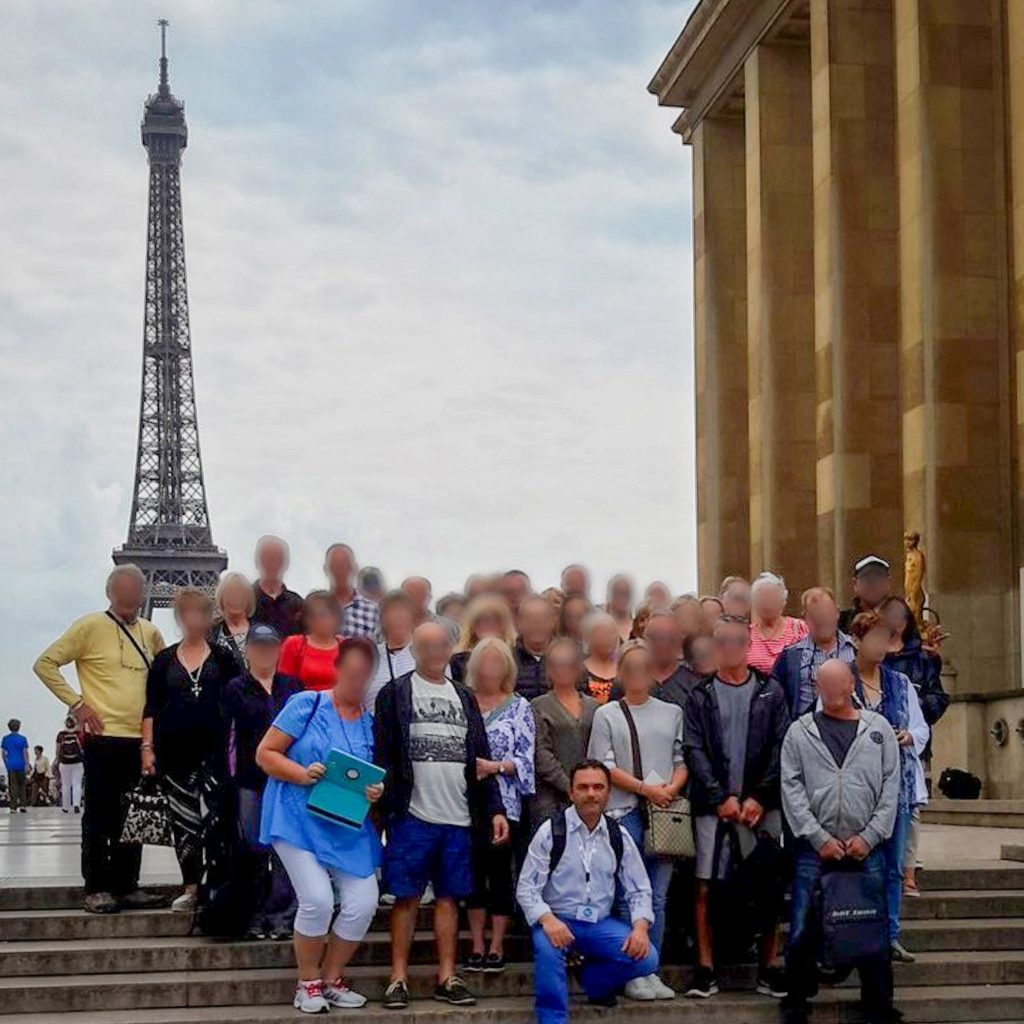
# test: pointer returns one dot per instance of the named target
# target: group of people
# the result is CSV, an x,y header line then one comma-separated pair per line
x,y
34,783
527,740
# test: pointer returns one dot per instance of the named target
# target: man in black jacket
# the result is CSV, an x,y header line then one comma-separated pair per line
x,y
735,723
536,623
428,736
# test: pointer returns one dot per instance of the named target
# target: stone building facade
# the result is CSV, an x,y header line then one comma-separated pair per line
x,y
858,178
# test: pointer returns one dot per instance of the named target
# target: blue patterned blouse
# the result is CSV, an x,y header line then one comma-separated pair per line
x,y
512,734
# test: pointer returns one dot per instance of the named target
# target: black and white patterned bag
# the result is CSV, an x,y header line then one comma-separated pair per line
x,y
148,819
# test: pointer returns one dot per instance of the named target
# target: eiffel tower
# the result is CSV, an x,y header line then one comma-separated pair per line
x,y
169,535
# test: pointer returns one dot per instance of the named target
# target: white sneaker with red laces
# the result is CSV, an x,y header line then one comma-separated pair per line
x,y
309,997
337,993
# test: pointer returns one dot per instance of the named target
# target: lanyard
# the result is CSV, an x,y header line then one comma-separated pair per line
x,y
587,851
348,742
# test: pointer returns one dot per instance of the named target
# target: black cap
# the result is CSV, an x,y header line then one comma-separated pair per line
x,y
261,633
870,562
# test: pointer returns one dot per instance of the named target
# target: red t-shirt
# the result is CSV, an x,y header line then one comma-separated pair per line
x,y
314,666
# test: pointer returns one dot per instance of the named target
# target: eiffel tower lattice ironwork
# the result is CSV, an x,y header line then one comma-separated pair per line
x,y
169,535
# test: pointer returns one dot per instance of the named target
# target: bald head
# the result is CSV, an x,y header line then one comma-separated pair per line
x,y
835,685
432,649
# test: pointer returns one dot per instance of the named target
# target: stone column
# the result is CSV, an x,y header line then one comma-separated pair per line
x,y
856,329
780,313
954,335
1015,108
720,301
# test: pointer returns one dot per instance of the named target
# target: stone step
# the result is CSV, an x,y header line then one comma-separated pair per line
x,y
979,813
1012,852
62,896
184,953
951,904
996,1004
234,987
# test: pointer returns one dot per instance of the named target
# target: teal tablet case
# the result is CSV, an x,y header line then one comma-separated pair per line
x,y
339,796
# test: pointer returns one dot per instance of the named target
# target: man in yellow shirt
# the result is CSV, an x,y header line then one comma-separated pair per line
x,y
112,651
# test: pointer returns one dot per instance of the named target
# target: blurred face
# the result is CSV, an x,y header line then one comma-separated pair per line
x,y
396,625
321,622
554,597
872,587
688,618
732,642
575,580
475,586
514,589
419,590
658,594
635,672
371,585
874,645
895,616
822,617
769,601
488,623
262,658
573,613
126,594
589,792
235,597
455,610
194,621
620,595
662,636
272,562
702,656
604,640
536,623
835,685
340,568
432,649
736,599
489,672
711,610
352,677
564,667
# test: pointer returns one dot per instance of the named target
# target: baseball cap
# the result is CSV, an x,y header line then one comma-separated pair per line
x,y
261,633
869,562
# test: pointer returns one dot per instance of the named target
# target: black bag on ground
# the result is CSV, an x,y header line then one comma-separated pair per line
x,y
956,784
228,886
854,917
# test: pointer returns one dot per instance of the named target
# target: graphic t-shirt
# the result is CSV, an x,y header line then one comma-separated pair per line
x,y
15,747
437,747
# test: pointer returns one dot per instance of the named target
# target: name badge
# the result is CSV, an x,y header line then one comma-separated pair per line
x,y
586,913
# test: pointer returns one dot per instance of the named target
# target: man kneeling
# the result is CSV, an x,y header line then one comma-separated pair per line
x,y
566,889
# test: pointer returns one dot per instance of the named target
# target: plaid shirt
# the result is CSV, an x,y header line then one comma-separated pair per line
x,y
813,657
360,617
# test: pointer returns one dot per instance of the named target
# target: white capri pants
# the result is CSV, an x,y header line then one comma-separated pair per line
x,y
316,887
71,785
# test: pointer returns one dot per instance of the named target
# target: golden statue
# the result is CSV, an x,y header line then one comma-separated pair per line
x,y
913,576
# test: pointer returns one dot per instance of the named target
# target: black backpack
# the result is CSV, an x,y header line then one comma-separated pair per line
x,y
558,834
956,784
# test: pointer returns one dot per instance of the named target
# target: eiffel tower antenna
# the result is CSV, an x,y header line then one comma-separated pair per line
x,y
169,535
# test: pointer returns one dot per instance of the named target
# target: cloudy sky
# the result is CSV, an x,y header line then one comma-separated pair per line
x,y
440,278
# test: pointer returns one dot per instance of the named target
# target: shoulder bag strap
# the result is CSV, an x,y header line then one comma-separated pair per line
x,y
634,739
124,629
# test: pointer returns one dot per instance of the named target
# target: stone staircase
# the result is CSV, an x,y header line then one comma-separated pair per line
x,y
58,963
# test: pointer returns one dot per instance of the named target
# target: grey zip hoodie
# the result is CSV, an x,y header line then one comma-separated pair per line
x,y
822,800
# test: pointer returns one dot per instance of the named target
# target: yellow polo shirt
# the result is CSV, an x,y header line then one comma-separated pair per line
x,y
111,672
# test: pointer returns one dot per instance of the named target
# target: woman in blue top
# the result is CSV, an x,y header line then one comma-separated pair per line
x,y
326,862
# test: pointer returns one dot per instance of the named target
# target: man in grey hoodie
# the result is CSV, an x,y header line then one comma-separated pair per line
x,y
840,785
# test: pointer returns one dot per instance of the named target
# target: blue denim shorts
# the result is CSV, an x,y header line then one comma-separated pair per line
x,y
417,852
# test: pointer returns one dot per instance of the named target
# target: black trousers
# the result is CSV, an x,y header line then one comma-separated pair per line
x,y
494,871
112,770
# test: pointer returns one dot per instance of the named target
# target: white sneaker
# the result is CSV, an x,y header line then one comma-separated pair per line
x,y
640,989
309,997
659,988
339,994
185,903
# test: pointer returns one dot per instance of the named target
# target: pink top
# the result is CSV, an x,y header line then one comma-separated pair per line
x,y
764,652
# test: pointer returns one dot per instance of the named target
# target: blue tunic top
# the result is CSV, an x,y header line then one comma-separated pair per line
x,y
285,816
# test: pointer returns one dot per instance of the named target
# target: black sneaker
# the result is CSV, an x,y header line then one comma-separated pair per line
x,y
704,983
140,900
494,964
396,996
454,992
607,1002
100,903
771,981
900,953
474,963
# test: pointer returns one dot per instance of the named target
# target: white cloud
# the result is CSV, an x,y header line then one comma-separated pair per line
x,y
439,276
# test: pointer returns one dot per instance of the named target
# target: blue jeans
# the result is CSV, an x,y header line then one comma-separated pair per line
x,y
805,939
894,849
274,903
605,967
659,871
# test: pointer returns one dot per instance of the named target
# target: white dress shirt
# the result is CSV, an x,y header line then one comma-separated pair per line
x,y
567,892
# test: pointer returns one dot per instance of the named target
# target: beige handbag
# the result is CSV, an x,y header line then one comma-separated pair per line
x,y
668,830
